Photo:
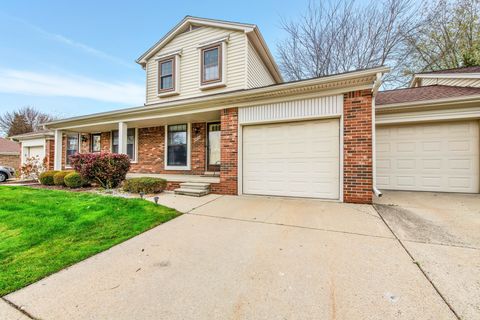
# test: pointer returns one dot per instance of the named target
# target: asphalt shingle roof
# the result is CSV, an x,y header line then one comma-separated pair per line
x,y
423,93
9,146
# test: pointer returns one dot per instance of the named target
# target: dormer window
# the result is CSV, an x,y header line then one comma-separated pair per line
x,y
212,64
213,57
168,73
166,81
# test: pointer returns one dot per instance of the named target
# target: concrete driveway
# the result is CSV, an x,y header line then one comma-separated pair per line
x,y
246,258
442,233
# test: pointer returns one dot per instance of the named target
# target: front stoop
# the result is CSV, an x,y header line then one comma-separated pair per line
x,y
195,189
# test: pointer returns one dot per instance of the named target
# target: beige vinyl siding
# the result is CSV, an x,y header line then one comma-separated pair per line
x,y
257,74
459,82
189,42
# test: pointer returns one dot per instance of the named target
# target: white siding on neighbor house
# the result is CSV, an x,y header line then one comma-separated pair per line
x,y
257,73
292,110
451,82
189,84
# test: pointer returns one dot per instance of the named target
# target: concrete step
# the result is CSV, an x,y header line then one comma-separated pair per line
x,y
195,185
211,174
191,192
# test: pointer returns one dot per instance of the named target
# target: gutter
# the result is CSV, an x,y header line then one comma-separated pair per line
x,y
376,86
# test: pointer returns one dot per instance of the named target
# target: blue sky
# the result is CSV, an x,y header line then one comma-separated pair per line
x,y
77,57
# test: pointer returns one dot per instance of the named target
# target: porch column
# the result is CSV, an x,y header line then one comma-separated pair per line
x,y
57,163
122,137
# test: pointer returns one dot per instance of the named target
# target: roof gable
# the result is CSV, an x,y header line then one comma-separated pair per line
x,y
250,30
184,25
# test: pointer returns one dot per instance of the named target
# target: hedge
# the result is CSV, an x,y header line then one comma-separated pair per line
x,y
145,185
58,178
74,180
47,177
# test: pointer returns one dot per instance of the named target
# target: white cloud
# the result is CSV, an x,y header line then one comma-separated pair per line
x,y
75,44
42,84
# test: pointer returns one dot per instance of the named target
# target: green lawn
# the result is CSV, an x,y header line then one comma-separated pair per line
x,y
43,231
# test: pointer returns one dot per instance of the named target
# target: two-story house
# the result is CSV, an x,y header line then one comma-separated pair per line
x,y
217,111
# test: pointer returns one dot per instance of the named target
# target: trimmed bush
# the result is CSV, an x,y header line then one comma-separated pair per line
x,y
59,177
74,180
46,178
145,184
107,169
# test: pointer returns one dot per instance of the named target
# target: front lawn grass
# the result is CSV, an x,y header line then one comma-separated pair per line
x,y
43,231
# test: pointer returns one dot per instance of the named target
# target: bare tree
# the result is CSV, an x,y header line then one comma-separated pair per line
x,y
335,37
23,120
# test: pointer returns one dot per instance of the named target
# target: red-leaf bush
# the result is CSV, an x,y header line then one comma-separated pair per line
x,y
108,169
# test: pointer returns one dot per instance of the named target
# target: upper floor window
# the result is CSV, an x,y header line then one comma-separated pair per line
x,y
166,75
212,64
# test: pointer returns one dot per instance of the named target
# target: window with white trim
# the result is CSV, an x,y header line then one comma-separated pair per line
x,y
212,64
72,147
131,143
177,145
95,145
166,75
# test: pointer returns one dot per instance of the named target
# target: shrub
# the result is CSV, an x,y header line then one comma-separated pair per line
x,y
59,177
31,168
108,169
46,178
146,185
74,180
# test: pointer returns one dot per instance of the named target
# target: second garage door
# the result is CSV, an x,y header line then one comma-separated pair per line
x,y
429,157
298,159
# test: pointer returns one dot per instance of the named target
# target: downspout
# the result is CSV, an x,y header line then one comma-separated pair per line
x,y
376,86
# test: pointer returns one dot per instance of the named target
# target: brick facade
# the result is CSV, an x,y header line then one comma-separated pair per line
x,y
10,160
229,151
151,151
49,154
357,147
357,123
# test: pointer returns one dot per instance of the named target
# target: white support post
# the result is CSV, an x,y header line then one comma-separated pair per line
x,y
57,163
122,137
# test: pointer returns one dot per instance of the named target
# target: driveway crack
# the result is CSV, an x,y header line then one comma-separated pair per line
x,y
293,226
21,310
418,265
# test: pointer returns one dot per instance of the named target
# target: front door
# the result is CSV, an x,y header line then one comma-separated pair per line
x,y
213,146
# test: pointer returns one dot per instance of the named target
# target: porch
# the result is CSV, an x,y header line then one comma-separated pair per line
x,y
196,148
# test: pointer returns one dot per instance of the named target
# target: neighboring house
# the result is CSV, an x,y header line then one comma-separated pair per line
x,y
428,135
9,153
38,145
216,102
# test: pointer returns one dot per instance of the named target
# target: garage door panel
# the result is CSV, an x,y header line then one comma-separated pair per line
x,y
439,157
306,165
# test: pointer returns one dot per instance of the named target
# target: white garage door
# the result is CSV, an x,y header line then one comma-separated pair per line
x,y
36,151
429,157
298,159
